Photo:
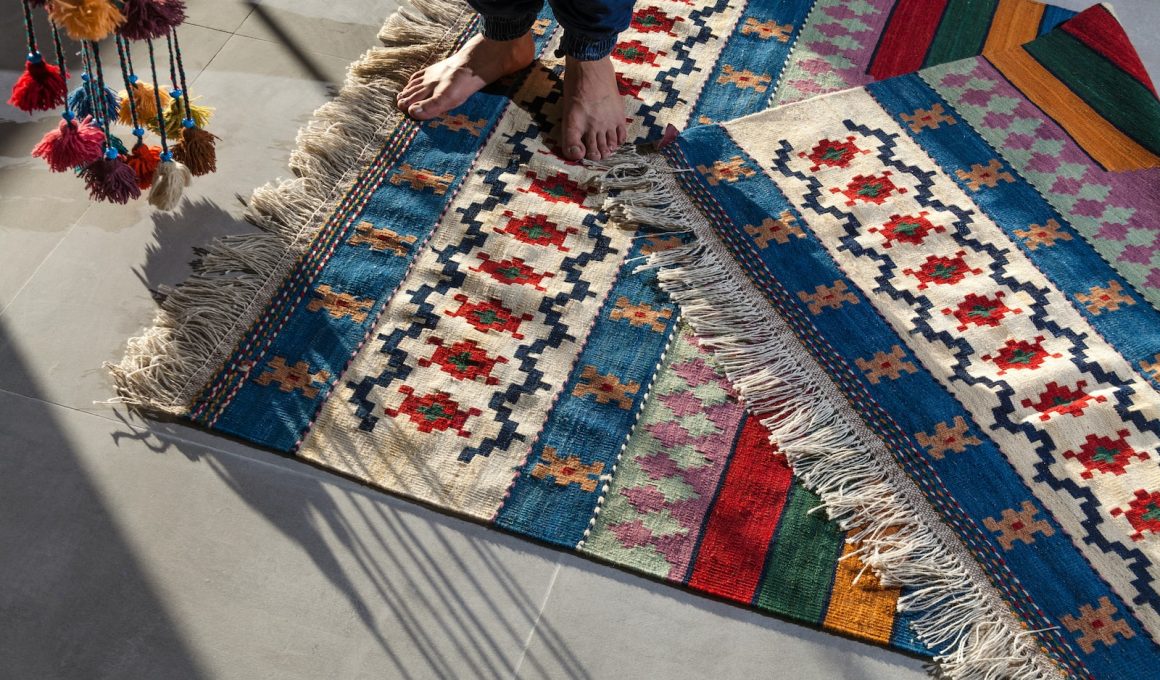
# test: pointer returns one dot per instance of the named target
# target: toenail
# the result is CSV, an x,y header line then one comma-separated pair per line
x,y
416,109
574,150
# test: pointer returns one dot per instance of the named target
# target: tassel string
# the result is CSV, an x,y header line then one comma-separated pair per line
x,y
178,92
59,49
97,100
166,155
110,150
33,52
175,57
130,78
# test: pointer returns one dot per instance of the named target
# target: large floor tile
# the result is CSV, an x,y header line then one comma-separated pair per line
x,y
603,623
344,29
223,15
177,561
94,291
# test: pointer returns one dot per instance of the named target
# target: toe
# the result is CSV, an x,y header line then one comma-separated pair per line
x,y
621,135
573,146
430,107
602,143
592,144
411,94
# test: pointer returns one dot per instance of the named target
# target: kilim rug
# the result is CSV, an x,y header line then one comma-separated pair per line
x,y
444,312
946,342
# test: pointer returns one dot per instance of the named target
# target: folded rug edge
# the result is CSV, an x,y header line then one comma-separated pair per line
x,y
900,537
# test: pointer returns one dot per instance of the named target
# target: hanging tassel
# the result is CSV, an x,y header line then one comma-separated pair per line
x,y
196,150
71,145
85,19
175,115
111,179
81,103
168,184
40,88
144,99
146,19
144,160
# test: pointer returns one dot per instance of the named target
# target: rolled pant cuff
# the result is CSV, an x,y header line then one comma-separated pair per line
x,y
507,28
587,47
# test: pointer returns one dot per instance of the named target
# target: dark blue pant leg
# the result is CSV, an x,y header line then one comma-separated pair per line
x,y
591,27
506,20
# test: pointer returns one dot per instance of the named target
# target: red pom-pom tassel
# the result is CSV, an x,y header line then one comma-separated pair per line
x,y
72,144
144,159
40,88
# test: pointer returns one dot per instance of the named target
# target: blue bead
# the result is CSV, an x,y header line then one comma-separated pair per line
x,y
133,79
187,122
68,115
139,131
166,156
35,58
111,153
175,94
85,77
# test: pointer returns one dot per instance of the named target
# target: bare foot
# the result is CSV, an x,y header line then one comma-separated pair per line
x,y
593,110
440,87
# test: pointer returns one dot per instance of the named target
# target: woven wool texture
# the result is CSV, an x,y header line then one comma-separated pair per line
x,y
944,269
467,328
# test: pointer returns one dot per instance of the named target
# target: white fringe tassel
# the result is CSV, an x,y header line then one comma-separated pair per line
x,y
201,321
830,449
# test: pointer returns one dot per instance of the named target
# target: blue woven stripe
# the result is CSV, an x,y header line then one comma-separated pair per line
x,y
580,426
746,50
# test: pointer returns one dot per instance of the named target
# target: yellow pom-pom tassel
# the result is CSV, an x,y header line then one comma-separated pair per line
x,y
85,19
175,113
146,103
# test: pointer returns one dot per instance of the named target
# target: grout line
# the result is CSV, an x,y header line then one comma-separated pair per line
x,y
539,614
49,254
315,52
210,28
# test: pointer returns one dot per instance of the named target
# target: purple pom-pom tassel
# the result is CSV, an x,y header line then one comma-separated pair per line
x,y
111,179
151,19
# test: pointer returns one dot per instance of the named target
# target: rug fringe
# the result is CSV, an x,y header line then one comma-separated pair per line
x,y
200,322
902,541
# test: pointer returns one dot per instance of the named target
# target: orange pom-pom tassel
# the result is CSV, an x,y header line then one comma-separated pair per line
x,y
85,19
145,102
144,160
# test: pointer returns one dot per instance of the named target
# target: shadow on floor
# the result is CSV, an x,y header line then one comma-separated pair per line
x,y
75,602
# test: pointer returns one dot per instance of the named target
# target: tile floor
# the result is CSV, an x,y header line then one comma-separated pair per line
x,y
136,549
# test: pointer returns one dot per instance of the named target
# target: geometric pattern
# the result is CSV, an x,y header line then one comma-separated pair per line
x,y
976,313
472,271
1110,210
665,479
1097,624
1018,525
468,357
927,118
